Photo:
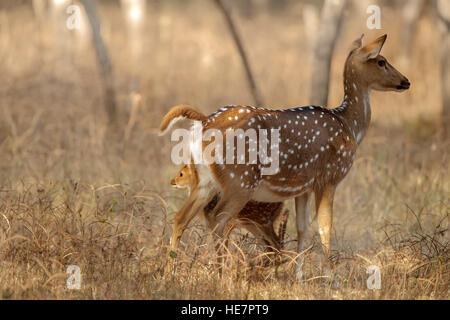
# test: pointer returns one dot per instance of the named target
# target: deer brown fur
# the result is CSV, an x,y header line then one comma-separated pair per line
x,y
316,150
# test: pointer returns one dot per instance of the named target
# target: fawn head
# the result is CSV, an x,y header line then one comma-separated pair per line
x,y
182,179
372,69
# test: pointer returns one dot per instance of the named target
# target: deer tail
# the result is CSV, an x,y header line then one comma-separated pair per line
x,y
177,113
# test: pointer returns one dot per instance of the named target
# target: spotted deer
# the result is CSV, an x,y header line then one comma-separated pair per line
x,y
257,217
316,149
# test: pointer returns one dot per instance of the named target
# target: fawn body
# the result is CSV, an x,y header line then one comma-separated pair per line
x,y
316,151
256,217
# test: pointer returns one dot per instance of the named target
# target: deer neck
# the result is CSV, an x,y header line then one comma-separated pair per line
x,y
355,108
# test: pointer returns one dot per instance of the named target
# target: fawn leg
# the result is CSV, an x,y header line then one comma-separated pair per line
x,y
192,207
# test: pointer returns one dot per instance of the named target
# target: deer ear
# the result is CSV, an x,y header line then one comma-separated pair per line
x,y
372,50
357,43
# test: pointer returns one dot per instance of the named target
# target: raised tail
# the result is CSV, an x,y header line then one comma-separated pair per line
x,y
180,112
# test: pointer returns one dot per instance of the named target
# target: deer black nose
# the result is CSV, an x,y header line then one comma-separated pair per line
x,y
405,84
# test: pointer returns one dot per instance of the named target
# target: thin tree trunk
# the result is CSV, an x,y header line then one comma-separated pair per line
x,y
104,62
445,80
40,9
251,81
134,12
311,20
411,13
245,7
330,22
443,11
60,37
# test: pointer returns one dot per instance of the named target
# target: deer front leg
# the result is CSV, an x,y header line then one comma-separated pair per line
x,y
324,207
302,207
182,219
189,210
227,208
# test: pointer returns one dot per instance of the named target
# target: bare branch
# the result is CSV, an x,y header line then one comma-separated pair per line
x,y
237,40
104,61
330,22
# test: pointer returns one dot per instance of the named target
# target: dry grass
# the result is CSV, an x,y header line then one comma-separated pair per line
x,y
73,192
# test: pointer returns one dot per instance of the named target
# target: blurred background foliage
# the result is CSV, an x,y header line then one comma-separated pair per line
x,y
59,150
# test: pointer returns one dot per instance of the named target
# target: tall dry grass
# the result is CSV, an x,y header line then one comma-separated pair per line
x,y
74,192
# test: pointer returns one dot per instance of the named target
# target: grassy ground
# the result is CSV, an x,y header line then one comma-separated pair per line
x,y
75,192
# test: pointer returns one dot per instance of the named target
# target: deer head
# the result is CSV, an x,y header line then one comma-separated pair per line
x,y
372,69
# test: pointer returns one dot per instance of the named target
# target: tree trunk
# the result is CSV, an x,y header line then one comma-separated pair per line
x,y
311,21
277,5
60,37
411,13
443,11
40,10
251,81
246,8
104,61
330,22
134,12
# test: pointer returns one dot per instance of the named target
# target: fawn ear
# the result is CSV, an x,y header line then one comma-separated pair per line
x,y
357,43
372,50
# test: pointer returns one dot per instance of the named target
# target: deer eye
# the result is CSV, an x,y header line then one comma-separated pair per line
x,y
382,63
181,174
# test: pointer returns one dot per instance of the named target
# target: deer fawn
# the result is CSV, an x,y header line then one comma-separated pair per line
x,y
256,217
316,151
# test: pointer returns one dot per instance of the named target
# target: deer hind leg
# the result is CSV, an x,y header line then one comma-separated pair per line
x,y
265,235
302,207
270,238
273,240
260,232
324,207
272,243
229,205
227,231
250,226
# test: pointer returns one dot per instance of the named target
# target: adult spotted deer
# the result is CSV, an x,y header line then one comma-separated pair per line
x,y
257,217
316,150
